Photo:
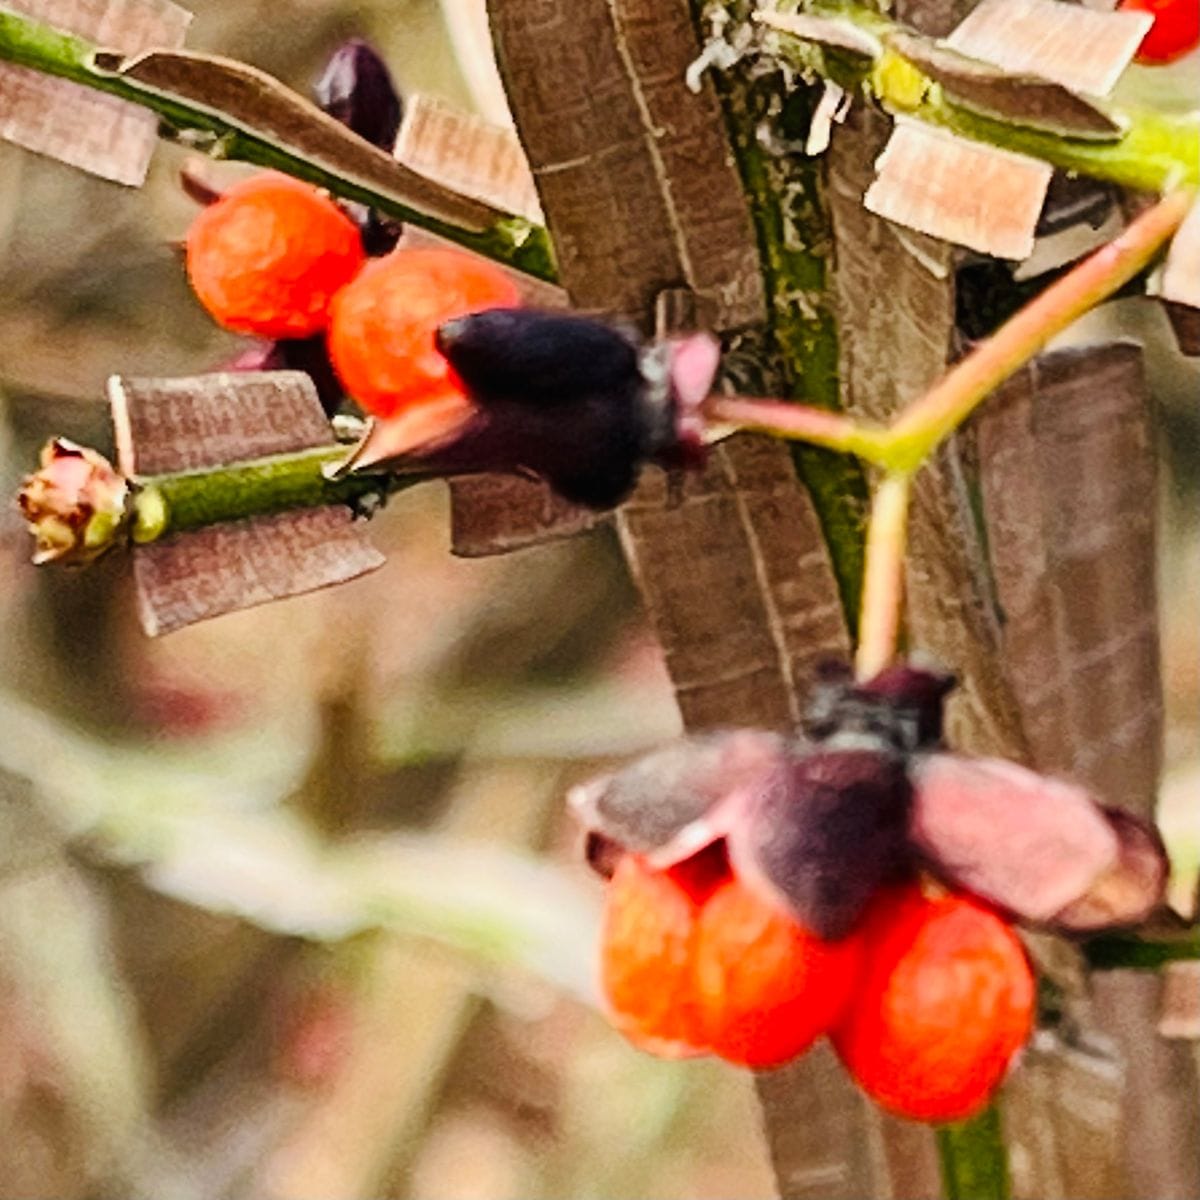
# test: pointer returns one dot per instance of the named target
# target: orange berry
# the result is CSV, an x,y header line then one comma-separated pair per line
x,y
382,326
946,1002
766,986
647,940
268,257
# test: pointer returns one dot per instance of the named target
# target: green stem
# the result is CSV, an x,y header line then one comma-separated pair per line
x,y
29,43
800,358
1156,151
188,500
1128,951
974,1158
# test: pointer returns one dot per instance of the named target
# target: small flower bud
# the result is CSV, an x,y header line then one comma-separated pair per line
x,y
74,504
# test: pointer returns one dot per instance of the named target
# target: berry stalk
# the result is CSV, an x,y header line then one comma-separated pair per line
x,y
917,432
189,500
971,1167
883,577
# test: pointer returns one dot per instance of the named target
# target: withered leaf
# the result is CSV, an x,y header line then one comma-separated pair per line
x,y
993,92
1031,845
261,106
672,803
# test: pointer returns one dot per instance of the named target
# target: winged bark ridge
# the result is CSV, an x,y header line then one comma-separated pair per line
x,y
637,181
193,423
99,134
1047,53
1048,619
641,195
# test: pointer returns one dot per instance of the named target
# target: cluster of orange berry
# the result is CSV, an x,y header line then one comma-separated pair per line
x,y
854,879
276,258
927,1001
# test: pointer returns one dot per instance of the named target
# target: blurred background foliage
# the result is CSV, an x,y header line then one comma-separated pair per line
x,y
289,906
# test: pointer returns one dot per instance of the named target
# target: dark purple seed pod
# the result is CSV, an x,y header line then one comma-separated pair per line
x,y
573,400
823,840
356,89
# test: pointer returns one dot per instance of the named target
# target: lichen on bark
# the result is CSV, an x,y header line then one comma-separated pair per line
x,y
768,115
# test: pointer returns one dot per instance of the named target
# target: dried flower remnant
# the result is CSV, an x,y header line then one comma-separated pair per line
x,y
818,823
570,399
356,88
74,504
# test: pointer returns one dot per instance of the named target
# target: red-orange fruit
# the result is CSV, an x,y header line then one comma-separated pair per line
x,y
382,326
269,256
1175,32
766,986
946,1002
647,940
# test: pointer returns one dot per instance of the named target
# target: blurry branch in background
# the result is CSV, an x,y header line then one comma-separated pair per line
x,y
238,112
246,856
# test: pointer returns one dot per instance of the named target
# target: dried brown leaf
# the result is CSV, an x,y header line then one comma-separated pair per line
x,y
1019,99
257,103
